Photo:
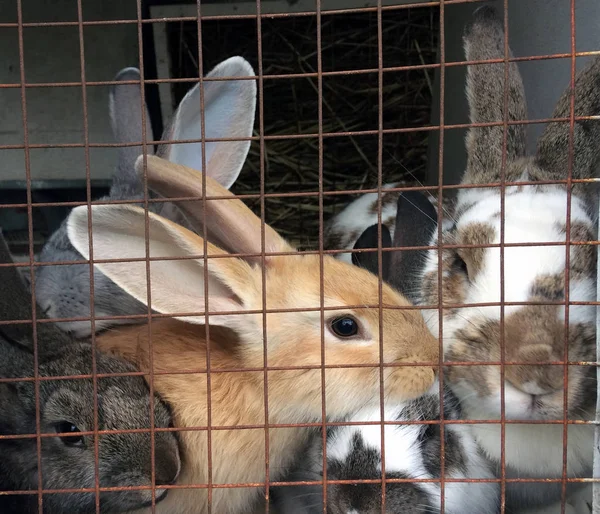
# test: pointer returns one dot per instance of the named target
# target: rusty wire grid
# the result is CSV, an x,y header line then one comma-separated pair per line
x,y
315,199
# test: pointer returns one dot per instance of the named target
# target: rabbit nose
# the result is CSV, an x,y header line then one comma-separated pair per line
x,y
166,468
532,379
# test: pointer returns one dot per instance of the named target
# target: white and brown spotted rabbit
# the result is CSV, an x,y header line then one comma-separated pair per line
x,y
533,333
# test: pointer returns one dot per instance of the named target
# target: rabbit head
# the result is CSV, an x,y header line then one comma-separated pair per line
x,y
533,334
63,291
236,284
67,452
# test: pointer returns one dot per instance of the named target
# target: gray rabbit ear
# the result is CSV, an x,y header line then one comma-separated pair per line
x,y
484,40
370,260
15,305
127,119
229,108
416,222
553,146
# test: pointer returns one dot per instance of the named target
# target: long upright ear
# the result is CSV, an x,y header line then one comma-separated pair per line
x,y
484,40
229,107
416,221
127,120
15,305
370,260
553,145
177,286
229,222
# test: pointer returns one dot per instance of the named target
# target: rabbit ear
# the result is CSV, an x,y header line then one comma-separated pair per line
x,y
15,305
229,222
127,119
484,40
369,260
177,286
553,145
416,221
229,107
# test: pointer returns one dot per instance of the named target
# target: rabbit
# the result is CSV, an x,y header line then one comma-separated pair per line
x,y
533,334
64,291
342,230
237,339
66,412
412,451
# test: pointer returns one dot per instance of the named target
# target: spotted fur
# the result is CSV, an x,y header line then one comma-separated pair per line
x,y
344,229
532,335
412,452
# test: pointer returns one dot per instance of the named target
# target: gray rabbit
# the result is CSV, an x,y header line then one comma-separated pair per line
x,y
66,411
229,106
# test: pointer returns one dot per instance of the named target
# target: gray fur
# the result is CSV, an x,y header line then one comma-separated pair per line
x,y
552,149
416,222
484,40
123,404
63,291
370,260
128,116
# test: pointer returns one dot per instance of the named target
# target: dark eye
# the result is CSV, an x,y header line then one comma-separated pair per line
x,y
461,264
344,327
66,427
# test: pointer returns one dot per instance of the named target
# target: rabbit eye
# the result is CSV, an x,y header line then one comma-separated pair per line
x,y
461,264
66,427
344,327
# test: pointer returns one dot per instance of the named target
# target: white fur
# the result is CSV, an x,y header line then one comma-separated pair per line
x,y
530,216
402,454
400,441
357,216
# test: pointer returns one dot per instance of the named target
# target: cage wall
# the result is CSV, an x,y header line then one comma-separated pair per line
x,y
299,257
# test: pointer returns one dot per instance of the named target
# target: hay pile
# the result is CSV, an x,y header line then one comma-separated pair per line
x,y
350,103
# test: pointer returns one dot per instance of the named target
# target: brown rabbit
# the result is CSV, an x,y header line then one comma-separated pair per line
x,y
350,334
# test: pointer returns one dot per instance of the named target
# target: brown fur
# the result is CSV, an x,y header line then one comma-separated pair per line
x,y
475,234
386,200
454,284
583,257
548,287
586,134
533,333
294,396
485,155
277,283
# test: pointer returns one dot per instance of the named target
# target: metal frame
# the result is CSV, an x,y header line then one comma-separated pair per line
x,y
147,35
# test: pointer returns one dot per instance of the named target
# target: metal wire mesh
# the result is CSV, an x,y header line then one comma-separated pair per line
x,y
322,196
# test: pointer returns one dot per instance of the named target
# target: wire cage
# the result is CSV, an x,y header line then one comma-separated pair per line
x,y
391,309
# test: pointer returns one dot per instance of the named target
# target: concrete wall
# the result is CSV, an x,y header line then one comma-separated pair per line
x,y
55,115
52,54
